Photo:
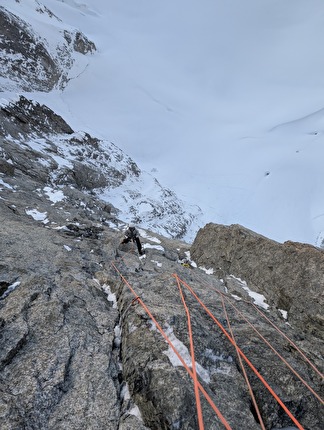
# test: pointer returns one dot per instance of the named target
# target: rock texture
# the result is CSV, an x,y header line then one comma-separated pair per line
x,y
59,367
88,331
291,275
78,352
37,142
30,62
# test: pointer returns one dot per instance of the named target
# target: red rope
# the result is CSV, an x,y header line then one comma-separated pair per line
x,y
243,368
245,358
201,388
193,362
274,350
290,341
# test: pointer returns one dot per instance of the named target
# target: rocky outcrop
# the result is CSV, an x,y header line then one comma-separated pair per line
x,y
59,367
89,333
28,61
38,143
77,351
291,275
70,358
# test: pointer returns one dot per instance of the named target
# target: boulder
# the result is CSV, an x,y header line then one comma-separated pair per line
x,y
290,275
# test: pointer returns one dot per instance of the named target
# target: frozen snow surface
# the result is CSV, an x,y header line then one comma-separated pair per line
x,y
221,100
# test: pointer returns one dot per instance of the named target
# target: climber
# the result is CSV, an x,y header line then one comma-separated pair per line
x,y
132,234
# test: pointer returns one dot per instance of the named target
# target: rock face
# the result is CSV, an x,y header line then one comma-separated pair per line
x,y
30,62
38,143
77,351
291,275
91,336
58,361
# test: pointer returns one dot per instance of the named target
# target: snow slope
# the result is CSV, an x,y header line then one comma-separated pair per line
x,y
222,99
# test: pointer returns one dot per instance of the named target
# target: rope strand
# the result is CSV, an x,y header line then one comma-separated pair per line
x,y
193,362
243,369
275,351
164,335
245,358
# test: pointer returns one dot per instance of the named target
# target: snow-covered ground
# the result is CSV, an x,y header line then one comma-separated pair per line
x,y
223,100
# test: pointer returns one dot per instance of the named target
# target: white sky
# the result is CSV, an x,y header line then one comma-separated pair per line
x,y
223,98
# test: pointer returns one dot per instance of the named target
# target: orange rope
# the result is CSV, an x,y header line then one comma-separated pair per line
x,y
245,358
274,350
243,369
193,362
290,341
214,407
279,331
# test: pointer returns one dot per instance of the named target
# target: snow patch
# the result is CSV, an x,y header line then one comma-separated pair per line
x,y
149,246
207,271
144,235
10,289
184,353
192,263
54,195
283,313
258,299
3,183
320,240
157,263
111,297
37,215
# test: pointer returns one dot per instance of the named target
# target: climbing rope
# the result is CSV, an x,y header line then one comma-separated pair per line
x,y
290,341
272,392
268,343
256,407
231,338
193,362
164,335
273,349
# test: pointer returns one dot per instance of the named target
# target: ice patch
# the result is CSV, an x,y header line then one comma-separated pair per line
x,y
135,411
125,396
132,328
117,340
221,362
